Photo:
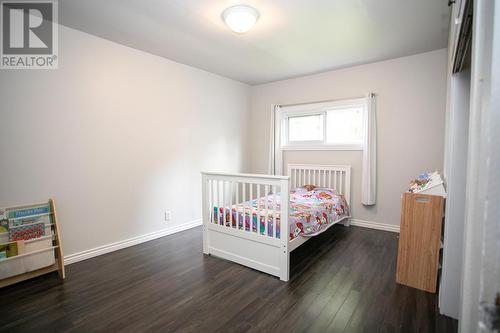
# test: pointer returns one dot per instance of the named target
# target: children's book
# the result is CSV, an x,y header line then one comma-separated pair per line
x,y
25,232
11,249
29,220
425,181
4,226
28,212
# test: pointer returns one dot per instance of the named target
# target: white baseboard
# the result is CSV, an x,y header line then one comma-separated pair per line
x,y
97,251
375,225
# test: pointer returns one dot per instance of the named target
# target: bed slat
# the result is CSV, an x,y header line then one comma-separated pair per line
x,y
266,203
239,205
231,192
274,211
224,204
244,195
210,201
341,188
258,226
251,209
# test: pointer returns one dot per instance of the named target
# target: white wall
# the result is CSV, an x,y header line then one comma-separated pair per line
x,y
116,136
411,96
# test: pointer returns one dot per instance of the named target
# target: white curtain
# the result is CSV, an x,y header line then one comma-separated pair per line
x,y
275,151
369,168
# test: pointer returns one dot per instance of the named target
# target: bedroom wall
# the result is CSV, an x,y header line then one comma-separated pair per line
x,y
116,136
411,98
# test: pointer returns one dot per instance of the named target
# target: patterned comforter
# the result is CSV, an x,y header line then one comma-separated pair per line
x,y
311,210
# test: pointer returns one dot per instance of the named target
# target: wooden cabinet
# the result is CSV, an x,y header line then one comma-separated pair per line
x,y
420,241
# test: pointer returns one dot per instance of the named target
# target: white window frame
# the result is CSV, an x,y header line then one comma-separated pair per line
x,y
317,109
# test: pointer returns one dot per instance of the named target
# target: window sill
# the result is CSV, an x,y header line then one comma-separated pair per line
x,y
322,147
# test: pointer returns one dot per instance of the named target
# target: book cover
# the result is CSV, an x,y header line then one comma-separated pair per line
x,y
4,223
11,249
29,220
25,232
28,212
424,181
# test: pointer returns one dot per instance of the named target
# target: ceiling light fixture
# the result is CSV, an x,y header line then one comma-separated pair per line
x,y
240,18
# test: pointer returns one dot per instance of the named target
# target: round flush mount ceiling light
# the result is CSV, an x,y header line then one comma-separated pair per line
x,y
240,18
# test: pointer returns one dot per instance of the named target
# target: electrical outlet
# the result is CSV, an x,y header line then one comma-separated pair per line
x,y
167,215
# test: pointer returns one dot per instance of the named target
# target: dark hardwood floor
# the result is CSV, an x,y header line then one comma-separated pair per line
x,y
341,281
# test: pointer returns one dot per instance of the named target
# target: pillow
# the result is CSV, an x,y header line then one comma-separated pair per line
x,y
309,188
305,188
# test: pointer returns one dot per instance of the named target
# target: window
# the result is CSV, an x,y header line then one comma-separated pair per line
x,y
324,126
345,126
305,128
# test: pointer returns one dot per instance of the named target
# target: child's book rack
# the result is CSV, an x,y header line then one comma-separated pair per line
x,y
33,251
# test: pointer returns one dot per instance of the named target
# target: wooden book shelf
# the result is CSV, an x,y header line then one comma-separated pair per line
x,y
58,265
420,241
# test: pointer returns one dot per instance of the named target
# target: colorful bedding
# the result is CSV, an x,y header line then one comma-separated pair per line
x,y
312,209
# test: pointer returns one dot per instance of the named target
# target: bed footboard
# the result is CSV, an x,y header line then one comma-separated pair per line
x,y
240,227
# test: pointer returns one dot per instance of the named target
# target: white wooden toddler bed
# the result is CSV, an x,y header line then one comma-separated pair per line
x,y
255,220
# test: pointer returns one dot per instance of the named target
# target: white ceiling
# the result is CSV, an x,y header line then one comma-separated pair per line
x,y
291,38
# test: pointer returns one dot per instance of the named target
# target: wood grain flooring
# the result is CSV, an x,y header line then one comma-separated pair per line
x,y
341,281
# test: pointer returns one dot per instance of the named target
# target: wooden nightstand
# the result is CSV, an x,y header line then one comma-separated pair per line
x,y
420,241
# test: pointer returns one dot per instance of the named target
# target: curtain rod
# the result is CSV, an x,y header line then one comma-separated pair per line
x,y
325,101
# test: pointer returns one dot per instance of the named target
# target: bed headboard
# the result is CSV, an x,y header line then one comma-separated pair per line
x,y
337,177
